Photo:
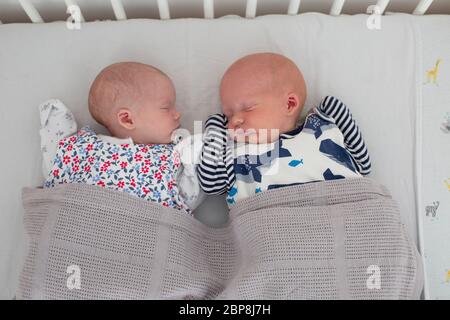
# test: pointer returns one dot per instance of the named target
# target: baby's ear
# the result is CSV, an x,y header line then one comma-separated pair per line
x,y
292,104
125,119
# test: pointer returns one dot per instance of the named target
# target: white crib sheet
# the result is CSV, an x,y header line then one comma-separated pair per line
x,y
373,71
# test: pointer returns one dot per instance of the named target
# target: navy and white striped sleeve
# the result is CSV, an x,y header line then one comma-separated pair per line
x,y
215,171
354,142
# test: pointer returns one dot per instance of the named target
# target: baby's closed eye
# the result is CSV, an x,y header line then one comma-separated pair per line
x,y
250,107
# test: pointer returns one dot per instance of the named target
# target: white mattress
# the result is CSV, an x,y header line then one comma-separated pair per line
x,y
375,72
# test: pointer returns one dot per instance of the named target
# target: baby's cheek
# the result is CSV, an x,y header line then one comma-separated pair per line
x,y
256,122
168,125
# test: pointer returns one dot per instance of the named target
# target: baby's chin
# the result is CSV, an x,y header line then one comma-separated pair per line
x,y
255,138
160,140
169,136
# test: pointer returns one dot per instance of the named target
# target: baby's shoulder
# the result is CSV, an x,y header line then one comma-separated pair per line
x,y
85,132
84,136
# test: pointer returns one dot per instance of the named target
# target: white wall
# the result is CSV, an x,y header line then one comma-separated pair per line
x,y
11,11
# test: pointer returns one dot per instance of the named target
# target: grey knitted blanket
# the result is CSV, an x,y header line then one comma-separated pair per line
x,y
338,239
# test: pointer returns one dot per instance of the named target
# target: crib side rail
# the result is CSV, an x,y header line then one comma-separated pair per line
x,y
293,8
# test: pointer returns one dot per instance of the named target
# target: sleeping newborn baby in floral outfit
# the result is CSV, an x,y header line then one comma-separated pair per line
x,y
136,103
258,143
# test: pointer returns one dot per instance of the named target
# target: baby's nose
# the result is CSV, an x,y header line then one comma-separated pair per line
x,y
236,121
177,115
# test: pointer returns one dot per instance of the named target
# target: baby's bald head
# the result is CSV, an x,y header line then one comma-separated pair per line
x,y
123,84
134,100
265,72
263,91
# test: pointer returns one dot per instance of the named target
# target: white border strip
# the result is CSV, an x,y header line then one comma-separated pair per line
x,y
418,156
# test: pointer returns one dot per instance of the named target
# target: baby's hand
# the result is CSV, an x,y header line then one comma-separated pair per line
x,y
321,114
189,149
179,135
312,110
217,119
216,128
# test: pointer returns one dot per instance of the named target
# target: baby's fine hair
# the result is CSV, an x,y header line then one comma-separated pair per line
x,y
117,85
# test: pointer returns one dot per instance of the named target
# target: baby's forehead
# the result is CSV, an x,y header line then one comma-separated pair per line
x,y
140,81
259,71
248,82
265,72
264,64
124,83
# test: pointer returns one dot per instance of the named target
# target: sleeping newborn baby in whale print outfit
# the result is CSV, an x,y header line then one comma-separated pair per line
x,y
257,144
144,155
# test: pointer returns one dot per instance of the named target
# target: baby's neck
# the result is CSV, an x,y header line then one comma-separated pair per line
x,y
116,140
291,127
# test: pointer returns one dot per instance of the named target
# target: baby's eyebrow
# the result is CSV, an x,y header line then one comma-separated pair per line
x,y
168,103
246,104
230,110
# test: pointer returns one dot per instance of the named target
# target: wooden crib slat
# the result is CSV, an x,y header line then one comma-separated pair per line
x,y
294,5
208,9
250,11
163,7
382,4
336,8
422,7
119,10
70,3
31,11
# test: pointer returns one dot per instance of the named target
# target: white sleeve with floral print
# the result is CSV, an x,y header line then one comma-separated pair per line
x,y
57,122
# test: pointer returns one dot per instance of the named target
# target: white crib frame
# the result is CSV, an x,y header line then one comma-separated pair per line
x,y
208,8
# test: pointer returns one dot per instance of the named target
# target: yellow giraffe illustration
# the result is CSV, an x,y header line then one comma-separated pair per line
x,y
447,183
447,279
432,74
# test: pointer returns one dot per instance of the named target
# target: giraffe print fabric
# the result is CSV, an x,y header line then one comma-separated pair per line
x,y
434,211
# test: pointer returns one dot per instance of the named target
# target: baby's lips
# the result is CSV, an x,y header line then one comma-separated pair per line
x,y
245,133
239,132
